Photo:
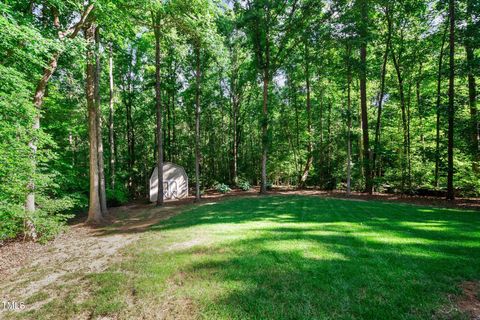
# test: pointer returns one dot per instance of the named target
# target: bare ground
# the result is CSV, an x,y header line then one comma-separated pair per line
x,y
30,269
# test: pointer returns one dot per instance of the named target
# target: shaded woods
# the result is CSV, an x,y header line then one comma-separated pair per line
x,y
373,96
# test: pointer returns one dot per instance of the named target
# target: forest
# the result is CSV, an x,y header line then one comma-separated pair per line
x,y
371,96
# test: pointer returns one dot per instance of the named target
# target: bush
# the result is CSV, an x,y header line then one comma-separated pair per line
x,y
49,219
117,197
47,225
11,217
244,185
223,188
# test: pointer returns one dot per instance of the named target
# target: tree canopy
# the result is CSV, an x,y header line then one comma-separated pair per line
x,y
376,96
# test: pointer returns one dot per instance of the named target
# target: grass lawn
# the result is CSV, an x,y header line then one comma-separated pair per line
x,y
295,257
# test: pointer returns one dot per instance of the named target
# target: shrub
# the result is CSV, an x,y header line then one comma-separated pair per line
x,y
223,188
116,197
11,217
49,218
244,185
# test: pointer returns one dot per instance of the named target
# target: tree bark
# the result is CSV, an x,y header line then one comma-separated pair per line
x,y
197,123
378,126
38,102
309,162
420,110
439,96
40,94
265,142
159,108
349,122
451,102
404,119
101,164
130,127
363,95
472,91
235,106
94,210
235,101
263,186
111,127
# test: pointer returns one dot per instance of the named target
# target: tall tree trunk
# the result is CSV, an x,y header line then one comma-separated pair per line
x,y
420,110
235,106
101,164
439,97
168,147
363,94
111,134
130,128
197,123
349,122
234,97
159,108
38,102
30,232
404,119
309,162
263,186
266,78
378,125
451,102
174,146
329,145
409,149
472,91
94,210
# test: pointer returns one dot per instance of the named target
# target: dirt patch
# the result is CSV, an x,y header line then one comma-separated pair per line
x,y
29,270
465,305
469,302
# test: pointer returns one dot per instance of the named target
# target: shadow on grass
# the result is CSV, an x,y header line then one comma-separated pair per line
x,y
315,258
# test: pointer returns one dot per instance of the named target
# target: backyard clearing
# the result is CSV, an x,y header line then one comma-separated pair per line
x,y
273,257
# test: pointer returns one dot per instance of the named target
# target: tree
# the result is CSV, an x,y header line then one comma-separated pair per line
x,y
381,94
156,18
451,100
98,107
471,33
265,20
70,33
349,117
437,108
363,34
111,124
94,209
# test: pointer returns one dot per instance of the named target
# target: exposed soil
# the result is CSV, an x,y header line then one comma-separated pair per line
x,y
28,269
469,302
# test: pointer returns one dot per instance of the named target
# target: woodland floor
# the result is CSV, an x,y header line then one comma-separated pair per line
x,y
87,273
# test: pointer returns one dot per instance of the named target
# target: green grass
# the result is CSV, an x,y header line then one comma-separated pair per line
x,y
296,257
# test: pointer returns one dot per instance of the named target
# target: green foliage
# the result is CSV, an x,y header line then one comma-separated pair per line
x,y
244,185
11,218
223,188
117,197
48,220
306,40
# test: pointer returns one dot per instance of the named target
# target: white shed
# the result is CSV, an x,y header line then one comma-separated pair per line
x,y
175,182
